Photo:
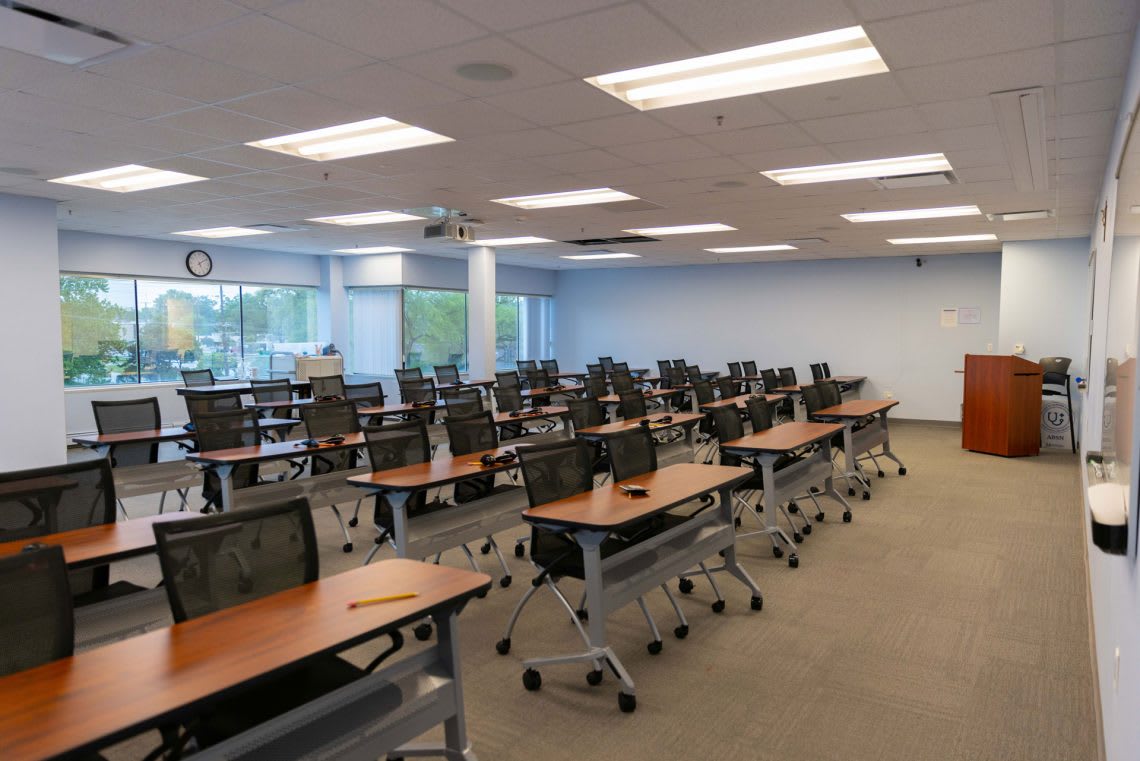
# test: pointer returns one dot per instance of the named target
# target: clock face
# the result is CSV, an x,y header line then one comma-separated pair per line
x,y
199,263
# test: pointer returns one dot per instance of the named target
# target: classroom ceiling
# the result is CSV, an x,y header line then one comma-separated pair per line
x,y
202,78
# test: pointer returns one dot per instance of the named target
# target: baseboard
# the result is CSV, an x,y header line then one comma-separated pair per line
x,y
956,424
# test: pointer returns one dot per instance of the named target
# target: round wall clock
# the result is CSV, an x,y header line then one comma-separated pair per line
x,y
199,263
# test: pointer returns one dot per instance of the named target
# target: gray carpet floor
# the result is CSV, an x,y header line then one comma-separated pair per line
x,y
947,621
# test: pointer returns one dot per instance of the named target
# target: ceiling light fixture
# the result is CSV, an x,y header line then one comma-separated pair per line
x,y
1021,120
894,216
373,250
826,57
366,218
751,249
355,139
222,232
1019,216
861,170
943,239
615,255
519,241
715,227
567,198
127,179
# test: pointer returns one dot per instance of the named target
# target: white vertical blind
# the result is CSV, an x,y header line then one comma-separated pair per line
x,y
374,328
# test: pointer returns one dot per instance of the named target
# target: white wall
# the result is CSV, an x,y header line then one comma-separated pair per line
x,y
440,272
31,388
873,317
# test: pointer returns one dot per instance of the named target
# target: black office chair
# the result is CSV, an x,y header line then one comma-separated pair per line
x,y
42,501
133,415
596,371
620,367
728,387
447,374
693,373
663,371
826,369
323,420
596,386
273,390
421,390
511,400
219,561
734,370
408,374
550,366
607,363
748,367
508,379
676,379
788,376
327,385
817,371
771,382
198,403
680,363
365,394
525,365
1057,374
621,381
631,405
227,429
38,625
462,402
191,378
552,472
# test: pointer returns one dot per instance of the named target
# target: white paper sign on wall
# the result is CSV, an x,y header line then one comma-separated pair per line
x,y
949,317
969,315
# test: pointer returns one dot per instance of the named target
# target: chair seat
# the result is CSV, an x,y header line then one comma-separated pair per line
x,y
109,592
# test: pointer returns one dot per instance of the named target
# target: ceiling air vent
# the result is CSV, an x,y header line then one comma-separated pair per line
x,y
621,240
929,179
806,242
294,227
46,35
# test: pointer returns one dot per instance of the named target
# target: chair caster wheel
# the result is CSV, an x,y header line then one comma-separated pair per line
x,y
532,680
353,522
685,586
718,606
847,517
582,614
882,474
627,703
902,471
422,632
503,646
793,508
481,595
866,496
820,516
850,491
654,647
681,631
777,552
797,537
737,521
793,561
486,548
347,547
707,500
505,582
807,529
519,550
594,678
379,540
758,602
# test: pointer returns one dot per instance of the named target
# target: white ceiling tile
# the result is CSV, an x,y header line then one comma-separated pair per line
x,y
381,29
383,89
1090,18
958,113
981,136
657,151
1094,58
251,158
1092,124
440,66
512,14
33,109
523,143
1083,146
755,139
272,49
620,178
150,20
197,166
982,173
963,158
19,69
184,75
613,39
717,115
962,31
895,121
225,125
583,161
762,161
1094,95
885,147
618,130
979,76
849,96
299,109
736,24
464,119
562,103
512,171
700,168
86,89
269,181
879,9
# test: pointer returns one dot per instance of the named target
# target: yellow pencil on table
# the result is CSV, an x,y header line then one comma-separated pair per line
x,y
386,598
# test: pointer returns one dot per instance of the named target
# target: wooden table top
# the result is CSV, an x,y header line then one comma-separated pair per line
x,y
553,411
466,383
609,507
857,408
108,693
444,469
783,438
680,419
838,379
96,545
166,433
656,393
228,388
567,374
277,450
741,401
400,409
529,392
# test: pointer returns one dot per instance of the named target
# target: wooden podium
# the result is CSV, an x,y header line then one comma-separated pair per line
x,y
1001,410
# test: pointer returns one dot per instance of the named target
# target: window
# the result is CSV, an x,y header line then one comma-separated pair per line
x,y
522,329
435,328
131,331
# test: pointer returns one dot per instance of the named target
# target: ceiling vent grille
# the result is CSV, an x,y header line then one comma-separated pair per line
x,y
619,241
927,180
46,35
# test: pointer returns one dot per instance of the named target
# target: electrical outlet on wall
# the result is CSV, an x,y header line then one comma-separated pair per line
x,y
888,394
1019,348
990,346
1116,672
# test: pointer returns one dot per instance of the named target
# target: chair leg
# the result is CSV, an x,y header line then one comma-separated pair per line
x,y
505,579
343,529
470,558
123,509
518,610
161,503
682,622
655,644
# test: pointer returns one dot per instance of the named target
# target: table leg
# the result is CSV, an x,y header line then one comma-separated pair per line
x,y
850,461
772,505
591,544
887,444
454,728
226,477
399,503
829,482
730,563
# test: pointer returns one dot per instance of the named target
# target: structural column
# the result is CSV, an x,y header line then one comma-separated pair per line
x,y
481,312
332,304
31,388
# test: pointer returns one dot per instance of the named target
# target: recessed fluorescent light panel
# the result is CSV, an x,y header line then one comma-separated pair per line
x,y
355,139
826,57
127,179
1020,216
366,218
586,257
520,241
222,232
373,250
943,239
567,198
904,214
751,249
861,170
652,232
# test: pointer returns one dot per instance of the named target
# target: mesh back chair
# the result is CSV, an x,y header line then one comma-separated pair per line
x,y
663,372
734,370
525,365
1057,374
199,403
508,399
728,387
632,453
447,374
474,433
509,379
133,415
693,372
620,367
397,445
550,366
422,390
632,405
408,374
537,378
596,371
622,381
228,429
813,401
826,369
38,625
365,394
817,371
332,419
748,367
511,400
680,363
462,402
219,561
193,378
759,413
43,501
607,363
552,472
771,383
788,376
274,390
585,412
704,391
596,386
829,393
327,385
